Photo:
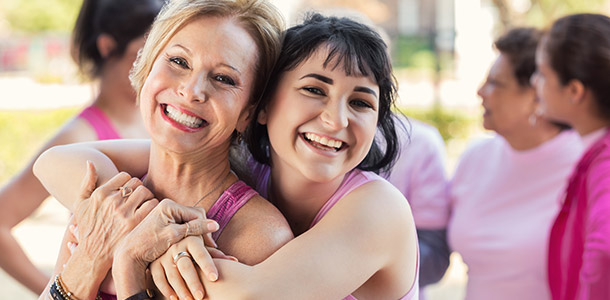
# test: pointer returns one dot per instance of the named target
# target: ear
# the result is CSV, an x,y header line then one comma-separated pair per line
x,y
105,45
262,117
576,90
244,118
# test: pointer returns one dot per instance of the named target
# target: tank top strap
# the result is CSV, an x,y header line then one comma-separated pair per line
x,y
100,123
231,200
352,180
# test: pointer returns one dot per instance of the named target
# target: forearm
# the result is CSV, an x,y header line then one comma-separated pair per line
x,y
129,276
61,169
433,255
15,262
83,274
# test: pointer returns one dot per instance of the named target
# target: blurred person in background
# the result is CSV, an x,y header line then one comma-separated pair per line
x,y
419,174
505,191
106,38
573,62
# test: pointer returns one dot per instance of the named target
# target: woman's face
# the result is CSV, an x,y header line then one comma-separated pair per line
x,y
553,95
507,105
119,66
321,122
197,91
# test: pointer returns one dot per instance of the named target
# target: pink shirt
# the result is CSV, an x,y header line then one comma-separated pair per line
x,y
419,174
579,245
100,123
503,204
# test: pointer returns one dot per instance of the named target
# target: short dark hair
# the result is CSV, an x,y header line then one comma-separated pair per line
x,y
578,47
519,45
123,20
360,50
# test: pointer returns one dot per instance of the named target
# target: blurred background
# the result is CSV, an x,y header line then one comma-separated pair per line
x,y
441,51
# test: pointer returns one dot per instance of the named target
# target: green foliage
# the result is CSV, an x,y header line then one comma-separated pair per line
x,y
452,124
35,16
413,52
23,133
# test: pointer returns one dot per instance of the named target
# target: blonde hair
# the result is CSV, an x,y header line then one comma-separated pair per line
x,y
259,18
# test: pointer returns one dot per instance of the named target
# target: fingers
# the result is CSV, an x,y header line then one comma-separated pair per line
x,y
191,278
158,275
202,257
138,196
73,228
175,280
146,208
181,213
116,182
89,181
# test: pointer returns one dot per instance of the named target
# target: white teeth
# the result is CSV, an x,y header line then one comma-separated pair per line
x,y
324,140
183,118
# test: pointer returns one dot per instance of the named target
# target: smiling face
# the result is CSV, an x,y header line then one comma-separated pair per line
x,y
197,91
321,123
507,104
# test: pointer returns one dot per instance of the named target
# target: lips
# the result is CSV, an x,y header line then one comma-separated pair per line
x,y
181,119
323,142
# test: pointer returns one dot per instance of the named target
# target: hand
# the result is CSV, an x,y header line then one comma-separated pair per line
x,y
108,215
173,277
167,224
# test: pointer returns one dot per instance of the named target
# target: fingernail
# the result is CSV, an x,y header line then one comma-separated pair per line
x,y
213,226
172,297
213,276
199,295
233,258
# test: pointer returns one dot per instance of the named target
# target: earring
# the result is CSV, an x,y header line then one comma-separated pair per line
x,y
533,118
240,137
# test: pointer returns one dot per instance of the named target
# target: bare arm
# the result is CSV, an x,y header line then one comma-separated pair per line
x,y
61,168
19,198
327,261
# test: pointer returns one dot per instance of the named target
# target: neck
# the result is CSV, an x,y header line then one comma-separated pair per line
x,y
297,197
532,137
589,125
185,178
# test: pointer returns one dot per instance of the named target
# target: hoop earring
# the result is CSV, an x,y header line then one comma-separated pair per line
x,y
533,118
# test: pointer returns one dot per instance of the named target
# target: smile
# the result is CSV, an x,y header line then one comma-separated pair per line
x,y
324,143
182,118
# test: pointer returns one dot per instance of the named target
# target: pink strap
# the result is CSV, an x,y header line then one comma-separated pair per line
x,y
229,203
100,123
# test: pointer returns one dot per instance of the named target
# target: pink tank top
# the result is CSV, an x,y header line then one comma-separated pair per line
x,y
100,123
352,180
222,211
229,203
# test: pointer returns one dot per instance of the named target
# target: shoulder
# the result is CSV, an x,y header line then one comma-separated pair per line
x,y
257,230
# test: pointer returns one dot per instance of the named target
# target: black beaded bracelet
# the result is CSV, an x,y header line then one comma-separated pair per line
x,y
143,295
55,294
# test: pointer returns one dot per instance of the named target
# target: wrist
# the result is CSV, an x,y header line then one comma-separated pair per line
x,y
129,274
83,275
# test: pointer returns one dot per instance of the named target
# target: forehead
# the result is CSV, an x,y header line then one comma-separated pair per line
x,y
321,59
211,36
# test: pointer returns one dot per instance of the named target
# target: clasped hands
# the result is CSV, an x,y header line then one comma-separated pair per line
x,y
126,228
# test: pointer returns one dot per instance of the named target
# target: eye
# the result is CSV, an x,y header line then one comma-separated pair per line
x,y
181,62
224,79
358,103
314,90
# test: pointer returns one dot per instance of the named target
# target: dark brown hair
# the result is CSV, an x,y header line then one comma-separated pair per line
x,y
519,45
578,47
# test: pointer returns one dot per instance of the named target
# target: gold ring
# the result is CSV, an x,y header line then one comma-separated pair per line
x,y
186,233
125,191
180,255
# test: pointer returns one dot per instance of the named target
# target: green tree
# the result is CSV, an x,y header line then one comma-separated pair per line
x,y
35,16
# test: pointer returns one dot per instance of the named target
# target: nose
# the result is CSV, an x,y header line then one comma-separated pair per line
x,y
194,88
334,115
481,90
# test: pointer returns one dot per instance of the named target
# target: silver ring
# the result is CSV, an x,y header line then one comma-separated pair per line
x,y
125,191
180,255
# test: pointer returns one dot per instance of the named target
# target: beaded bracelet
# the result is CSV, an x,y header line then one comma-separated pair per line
x,y
143,295
59,292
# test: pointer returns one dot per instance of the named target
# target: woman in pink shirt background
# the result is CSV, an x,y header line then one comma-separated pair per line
x,y
572,81
504,193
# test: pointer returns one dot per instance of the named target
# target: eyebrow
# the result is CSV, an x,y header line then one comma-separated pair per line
x,y
190,53
330,81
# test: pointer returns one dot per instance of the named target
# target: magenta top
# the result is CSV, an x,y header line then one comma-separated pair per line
x,y
352,180
228,204
579,245
100,123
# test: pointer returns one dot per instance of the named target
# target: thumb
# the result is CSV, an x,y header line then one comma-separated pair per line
x,y
89,182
